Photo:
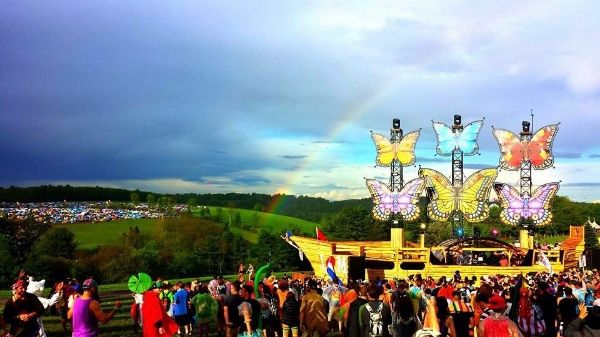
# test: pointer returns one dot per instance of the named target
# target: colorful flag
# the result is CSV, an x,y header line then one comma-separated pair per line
x,y
320,235
543,260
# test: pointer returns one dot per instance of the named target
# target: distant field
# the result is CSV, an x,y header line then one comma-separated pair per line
x,y
91,235
278,223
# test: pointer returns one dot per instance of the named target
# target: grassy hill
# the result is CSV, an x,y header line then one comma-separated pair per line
x,y
91,235
277,223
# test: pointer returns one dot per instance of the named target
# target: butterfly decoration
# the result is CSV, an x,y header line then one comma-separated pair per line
x,y
471,198
538,150
534,207
465,140
403,151
393,202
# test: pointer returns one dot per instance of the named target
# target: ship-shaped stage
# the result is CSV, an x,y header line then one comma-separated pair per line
x,y
370,260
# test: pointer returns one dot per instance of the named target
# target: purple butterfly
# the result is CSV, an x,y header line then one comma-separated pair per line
x,y
535,207
392,202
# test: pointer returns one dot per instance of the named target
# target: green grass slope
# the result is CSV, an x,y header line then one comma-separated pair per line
x,y
91,235
258,220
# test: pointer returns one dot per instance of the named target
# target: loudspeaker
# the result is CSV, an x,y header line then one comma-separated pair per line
x,y
592,258
356,267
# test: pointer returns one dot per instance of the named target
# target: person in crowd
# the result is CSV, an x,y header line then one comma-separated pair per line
x,y
207,308
86,312
313,317
404,319
567,306
180,308
22,310
375,316
353,320
546,301
249,312
290,319
230,309
443,317
155,321
498,325
587,324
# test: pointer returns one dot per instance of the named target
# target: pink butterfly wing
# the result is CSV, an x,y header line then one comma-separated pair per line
x,y
511,203
539,204
407,199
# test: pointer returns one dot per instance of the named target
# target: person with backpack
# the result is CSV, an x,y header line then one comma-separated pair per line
x,y
587,324
352,325
289,319
404,320
375,317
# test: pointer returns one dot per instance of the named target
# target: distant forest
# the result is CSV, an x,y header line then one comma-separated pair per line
x,y
303,207
565,212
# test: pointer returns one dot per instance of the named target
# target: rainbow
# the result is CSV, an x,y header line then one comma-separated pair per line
x,y
351,115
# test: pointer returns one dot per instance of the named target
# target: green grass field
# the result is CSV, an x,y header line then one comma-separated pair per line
x,y
278,223
91,235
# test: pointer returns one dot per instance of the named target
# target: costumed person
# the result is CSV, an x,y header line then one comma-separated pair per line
x,y
206,310
37,288
22,310
86,312
155,321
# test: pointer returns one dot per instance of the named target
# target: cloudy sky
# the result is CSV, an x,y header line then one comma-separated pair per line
x,y
251,96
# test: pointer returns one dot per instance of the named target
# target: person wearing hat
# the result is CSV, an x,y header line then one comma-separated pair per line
x,y
155,321
22,310
86,311
497,324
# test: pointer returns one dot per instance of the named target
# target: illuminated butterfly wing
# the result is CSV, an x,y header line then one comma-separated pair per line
x,y
474,195
535,208
539,204
511,203
467,138
443,200
387,151
539,149
511,149
405,151
390,202
446,140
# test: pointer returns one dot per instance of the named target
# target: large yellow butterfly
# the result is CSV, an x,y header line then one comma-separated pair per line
x,y
404,150
471,199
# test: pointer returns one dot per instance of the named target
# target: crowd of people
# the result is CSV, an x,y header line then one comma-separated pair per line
x,y
540,304
72,212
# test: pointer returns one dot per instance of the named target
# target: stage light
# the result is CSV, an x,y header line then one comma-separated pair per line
x,y
494,233
396,124
460,232
526,125
457,120
423,226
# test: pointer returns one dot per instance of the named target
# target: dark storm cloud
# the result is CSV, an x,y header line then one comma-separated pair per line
x,y
250,180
